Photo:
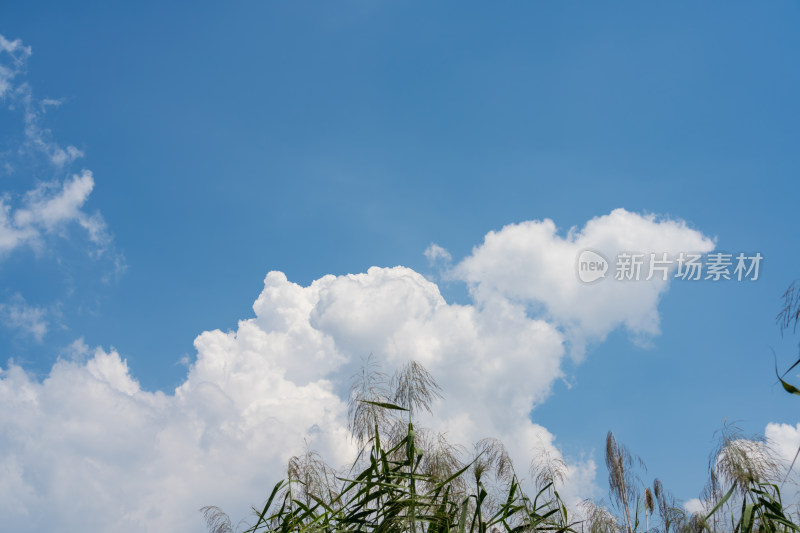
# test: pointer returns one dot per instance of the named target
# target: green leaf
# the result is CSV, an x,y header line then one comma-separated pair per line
x,y
747,518
720,503
790,388
385,405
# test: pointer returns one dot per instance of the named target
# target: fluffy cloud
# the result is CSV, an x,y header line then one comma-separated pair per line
x,y
88,444
532,264
784,440
100,454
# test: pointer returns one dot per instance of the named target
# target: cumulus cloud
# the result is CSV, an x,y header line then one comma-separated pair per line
x,y
101,454
256,395
88,444
532,264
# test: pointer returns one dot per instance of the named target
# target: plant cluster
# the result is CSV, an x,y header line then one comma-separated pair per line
x,y
412,480
405,479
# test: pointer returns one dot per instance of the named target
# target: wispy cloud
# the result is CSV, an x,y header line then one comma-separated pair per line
x,y
435,253
50,206
16,57
18,94
48,210
17,314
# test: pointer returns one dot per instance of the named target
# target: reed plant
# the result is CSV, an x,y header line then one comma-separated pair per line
x,y
407,479
404,479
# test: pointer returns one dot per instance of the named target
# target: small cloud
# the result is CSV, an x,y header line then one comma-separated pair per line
x,y
50,102
77,350
17,55
48,209
120,266
14,47
696,506
436,253
31,320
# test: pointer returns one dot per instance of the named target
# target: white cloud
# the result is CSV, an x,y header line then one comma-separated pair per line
x,y
436,253
17,56
255,395
77,351
697,506
531,264
13,61
100,454
784,440
17,314
88,444
49,209
51,206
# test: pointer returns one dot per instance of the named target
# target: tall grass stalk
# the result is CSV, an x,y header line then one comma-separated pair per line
x,y
412,480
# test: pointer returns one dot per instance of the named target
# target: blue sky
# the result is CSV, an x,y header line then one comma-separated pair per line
x,y
327,138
